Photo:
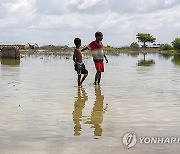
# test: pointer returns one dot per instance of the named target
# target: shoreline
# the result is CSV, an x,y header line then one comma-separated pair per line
x,y
107,51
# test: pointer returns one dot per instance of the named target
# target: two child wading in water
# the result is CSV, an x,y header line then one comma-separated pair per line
x,y
96,47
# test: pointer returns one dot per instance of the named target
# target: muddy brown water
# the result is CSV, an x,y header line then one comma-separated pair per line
x,y
44,112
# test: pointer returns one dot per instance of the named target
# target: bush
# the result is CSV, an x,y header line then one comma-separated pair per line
x,y
134,46
176,44
166,47
145,62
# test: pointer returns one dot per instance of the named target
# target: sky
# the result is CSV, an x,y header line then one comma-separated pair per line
x,y
58,22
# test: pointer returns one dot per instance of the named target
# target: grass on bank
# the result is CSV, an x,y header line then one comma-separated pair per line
x,y
66,50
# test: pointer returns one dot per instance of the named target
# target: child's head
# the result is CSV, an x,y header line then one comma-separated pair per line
x,y
77,42
99,36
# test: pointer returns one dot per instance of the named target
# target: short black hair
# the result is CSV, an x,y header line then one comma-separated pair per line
x,y
77,41
98,34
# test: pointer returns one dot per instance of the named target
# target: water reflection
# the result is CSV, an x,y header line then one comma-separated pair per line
x,y
166,56
134,54
96,117
176,59
10,61
48,55
79,104
144,62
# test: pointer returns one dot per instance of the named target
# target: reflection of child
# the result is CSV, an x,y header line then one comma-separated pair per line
x,y
97,112
79,104
79,65
96,47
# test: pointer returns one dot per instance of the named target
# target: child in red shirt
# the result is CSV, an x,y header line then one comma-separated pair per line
x,y
96,47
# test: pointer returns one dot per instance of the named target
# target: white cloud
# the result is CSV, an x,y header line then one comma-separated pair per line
x,y
88,3
110,20
7,22
55,21
20,7
73,2
17,7
167,2
58,21
17,13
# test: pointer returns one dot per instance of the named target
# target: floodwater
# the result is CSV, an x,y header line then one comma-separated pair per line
x,y
42,111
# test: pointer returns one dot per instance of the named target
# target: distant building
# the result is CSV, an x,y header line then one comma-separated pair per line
x,y
17,46
29,46
154,45
36,46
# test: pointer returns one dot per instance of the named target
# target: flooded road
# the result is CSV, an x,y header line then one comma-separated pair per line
x,y
44,112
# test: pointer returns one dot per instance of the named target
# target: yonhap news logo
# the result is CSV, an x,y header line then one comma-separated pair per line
x,y
131,139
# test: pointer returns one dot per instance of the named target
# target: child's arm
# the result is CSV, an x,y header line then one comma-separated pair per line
x,y
86,48
106,58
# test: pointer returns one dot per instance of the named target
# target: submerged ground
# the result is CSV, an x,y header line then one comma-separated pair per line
x,y
43,111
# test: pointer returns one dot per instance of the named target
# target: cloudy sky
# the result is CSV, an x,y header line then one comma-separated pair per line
x,y
58,22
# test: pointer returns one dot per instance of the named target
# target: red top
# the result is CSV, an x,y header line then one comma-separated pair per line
x,y
95,46
97,49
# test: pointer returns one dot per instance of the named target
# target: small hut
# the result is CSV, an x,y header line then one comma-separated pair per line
x,y
36,46
10,52
27,46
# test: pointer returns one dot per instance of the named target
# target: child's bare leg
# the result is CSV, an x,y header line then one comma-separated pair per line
x,y
96,77
79,80
84,77
99,78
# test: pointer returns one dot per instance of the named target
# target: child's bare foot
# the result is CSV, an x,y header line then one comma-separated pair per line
x,y
79,86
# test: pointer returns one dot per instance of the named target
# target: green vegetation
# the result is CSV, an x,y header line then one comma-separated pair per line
x,y
144,38
167,53
109,50
176,44
54,48
146,62
176,59
165,50
166,47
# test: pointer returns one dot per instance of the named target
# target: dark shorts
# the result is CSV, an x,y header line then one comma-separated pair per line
x,y
98,60
81,70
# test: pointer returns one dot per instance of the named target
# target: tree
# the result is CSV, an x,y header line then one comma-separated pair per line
x,y
144,38
176,44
